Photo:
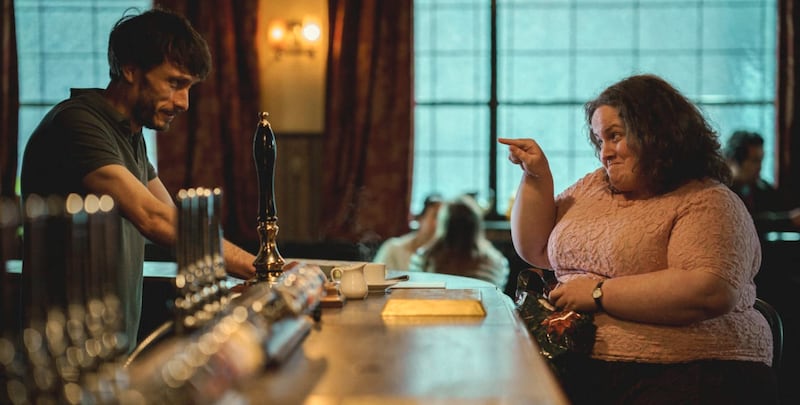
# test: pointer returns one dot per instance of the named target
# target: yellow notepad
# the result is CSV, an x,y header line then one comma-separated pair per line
x,y
434,302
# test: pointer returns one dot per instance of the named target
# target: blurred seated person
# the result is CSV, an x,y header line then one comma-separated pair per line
x,y
396,252
770,209
657,246
460,246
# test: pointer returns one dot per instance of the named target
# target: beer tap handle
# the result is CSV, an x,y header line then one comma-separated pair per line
x,y
265,153
268,262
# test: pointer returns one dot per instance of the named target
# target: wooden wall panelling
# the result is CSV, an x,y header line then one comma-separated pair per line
x,y
297,185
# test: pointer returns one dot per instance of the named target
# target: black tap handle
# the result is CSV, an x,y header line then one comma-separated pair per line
x,y
264,154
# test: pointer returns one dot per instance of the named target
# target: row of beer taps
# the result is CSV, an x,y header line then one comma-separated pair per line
x,y
201,281
71,347
72,338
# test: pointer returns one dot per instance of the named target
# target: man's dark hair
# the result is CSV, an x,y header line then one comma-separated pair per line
x,y
673,140
738,146
154,37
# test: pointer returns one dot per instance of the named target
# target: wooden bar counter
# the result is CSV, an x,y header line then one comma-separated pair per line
x,y
356,356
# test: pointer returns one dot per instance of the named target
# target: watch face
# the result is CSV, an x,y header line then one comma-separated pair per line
x,y
597,293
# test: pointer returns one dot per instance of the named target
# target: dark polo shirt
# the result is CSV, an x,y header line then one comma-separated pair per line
x,y
80,135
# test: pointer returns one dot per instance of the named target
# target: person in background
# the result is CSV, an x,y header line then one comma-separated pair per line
x,y
660,250
771,211
460,246
92,142
396,252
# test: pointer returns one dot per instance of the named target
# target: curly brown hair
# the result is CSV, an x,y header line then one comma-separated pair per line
x,y
672,139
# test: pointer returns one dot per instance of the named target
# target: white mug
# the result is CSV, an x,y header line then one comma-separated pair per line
x,y
351,279
375,273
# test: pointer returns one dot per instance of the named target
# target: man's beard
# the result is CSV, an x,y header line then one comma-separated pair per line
x,y
144,112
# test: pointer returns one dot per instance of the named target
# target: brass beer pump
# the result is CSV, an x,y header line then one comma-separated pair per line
x,y
268,263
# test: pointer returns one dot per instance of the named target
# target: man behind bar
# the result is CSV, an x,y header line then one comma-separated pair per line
x,y
92,143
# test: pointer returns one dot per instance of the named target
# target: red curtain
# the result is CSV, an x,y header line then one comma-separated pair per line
x,y
369,122
9,100
212,145
788,103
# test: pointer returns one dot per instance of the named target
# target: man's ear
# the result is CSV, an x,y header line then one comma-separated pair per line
x,y
128,73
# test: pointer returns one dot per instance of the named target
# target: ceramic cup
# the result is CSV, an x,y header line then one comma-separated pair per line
x,y
375,273
352,283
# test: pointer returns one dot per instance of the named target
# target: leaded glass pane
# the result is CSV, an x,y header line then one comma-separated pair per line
x,y
29,36
30,84
540,78
680,69
605,28
461,28
461,78
550,126
461,129
596,71
62,72
733,27
659,28
733,76
67,30
533,28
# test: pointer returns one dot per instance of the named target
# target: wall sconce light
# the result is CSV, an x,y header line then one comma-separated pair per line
x,y
294,37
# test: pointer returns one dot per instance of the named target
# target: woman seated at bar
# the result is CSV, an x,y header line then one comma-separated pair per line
x,y
396,251
460,246
658,246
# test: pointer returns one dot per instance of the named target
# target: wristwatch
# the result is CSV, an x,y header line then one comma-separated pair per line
x,y
597,294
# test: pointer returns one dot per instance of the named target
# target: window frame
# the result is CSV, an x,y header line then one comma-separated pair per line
x,y
763,107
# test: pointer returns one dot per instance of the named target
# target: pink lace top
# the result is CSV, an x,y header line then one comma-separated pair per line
x,y
702,226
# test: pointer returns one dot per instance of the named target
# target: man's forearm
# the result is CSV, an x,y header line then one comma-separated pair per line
x,y
238,262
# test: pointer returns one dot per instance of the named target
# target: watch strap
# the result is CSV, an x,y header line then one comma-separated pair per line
x,y
597,294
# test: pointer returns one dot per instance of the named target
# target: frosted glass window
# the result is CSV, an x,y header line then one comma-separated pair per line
x,y
657,23
554,55
456,160
536,77
605,27
529,28
452,72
